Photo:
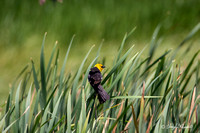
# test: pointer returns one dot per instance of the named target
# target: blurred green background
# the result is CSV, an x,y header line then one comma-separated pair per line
x,y
23,24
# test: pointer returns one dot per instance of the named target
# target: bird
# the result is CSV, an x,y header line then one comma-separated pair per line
x,y
94,78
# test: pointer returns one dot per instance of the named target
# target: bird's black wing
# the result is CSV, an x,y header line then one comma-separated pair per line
x,y
94,77
102,94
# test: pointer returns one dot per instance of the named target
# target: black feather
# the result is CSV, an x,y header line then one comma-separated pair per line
x,y
95,78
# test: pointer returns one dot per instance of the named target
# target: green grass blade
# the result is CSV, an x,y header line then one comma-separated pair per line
x,y
131,32
42,73
7,128
187,38
20,74
158,128
35,112
191,34
153,44
82,116
121,47
189,66
117,65
55,125
135,97
63,66
27,107
165,113
26,128
152,64
121,73
85,124
123,42
8,106
2,122
44,120
51,95
83,108
119,118
69,114
75,84
17,107
51,58
37,86
54,114
132,66
28,102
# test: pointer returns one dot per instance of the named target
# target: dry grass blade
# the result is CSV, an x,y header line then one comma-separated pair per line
x,y
105,125
192,106
126,127
119,113
134,119
149,126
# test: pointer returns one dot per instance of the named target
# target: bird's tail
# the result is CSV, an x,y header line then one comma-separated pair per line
x,y
102,94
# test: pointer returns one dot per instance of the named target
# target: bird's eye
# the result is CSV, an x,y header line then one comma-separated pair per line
x,y
102,66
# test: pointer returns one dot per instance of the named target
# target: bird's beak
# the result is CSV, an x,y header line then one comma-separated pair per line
x,y
103,67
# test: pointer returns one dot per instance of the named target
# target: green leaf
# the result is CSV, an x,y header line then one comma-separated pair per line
x,y
69,114
28,101
75,84
135,97
35,113
187,38
51,58
17,108
123,42
63,66
85,124
165,113
152,64
44,119
19,75
2,122
191,34
6,130
121,47
42,73
153,44
54,113
55,125
8,106
121,73
158,128
117,65
119,118
183,77
37,86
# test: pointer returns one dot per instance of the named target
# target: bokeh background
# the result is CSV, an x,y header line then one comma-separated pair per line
x,y
23,24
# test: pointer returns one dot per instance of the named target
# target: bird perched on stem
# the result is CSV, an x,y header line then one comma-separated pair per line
x,y
95,78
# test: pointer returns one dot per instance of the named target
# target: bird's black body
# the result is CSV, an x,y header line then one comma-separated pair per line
x,y
95,78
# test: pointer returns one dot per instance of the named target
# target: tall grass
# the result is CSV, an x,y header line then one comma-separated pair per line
x,y
151,94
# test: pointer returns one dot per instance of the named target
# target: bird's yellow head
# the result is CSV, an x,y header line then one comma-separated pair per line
x,y
100,67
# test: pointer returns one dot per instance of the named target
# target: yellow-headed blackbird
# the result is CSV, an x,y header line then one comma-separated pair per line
x,y
95,78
